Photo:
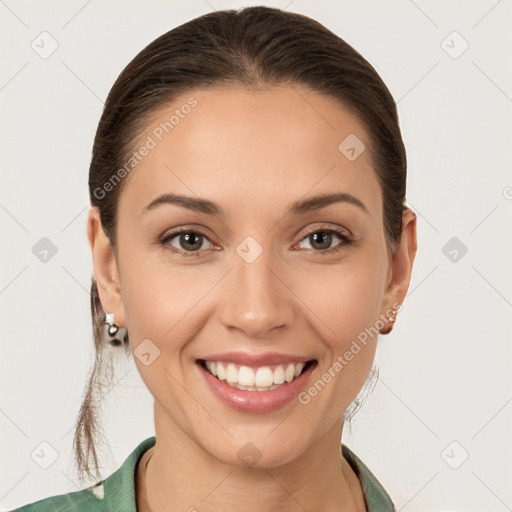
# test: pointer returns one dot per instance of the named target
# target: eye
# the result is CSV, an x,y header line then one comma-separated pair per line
x,y
322,239
186,242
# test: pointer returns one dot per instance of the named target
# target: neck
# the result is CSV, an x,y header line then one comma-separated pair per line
x,y
180,476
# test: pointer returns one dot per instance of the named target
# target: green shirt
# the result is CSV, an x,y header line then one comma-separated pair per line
x,y
117,492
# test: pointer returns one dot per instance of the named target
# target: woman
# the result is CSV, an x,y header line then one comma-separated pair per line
x,y
250,241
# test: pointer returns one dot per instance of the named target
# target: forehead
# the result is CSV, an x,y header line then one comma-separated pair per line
x,y
245,148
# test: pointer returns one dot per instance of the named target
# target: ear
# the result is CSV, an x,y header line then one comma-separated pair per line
x,y
105,267
400,268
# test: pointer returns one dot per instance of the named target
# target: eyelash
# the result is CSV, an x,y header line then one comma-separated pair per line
x,y
345,240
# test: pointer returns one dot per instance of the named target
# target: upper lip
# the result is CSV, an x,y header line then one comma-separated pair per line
x,y
265,359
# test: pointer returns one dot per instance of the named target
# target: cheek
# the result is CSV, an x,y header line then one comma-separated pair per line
x,y
159,307
346,297
163,302
157,300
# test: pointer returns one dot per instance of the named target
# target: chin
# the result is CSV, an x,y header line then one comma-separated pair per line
x,y
259,452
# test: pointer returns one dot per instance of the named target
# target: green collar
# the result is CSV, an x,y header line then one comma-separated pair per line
x,y
117,492
377,500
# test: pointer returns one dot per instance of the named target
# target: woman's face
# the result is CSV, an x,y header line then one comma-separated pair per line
x,y
265,278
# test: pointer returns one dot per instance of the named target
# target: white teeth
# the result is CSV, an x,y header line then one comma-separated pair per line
x,y
254,388
251,379
264,377
298,368
231,373
289,374
245,376
279,375
221,371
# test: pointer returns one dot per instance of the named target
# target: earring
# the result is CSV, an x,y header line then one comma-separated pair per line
x,y
391,319
387,330
113,329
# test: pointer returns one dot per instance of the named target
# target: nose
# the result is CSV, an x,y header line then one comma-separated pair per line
x,y
256,299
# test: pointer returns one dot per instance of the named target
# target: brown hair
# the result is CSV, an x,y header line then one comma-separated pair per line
x,y
254,47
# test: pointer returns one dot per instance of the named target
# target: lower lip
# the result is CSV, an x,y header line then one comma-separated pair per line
x,y
256,401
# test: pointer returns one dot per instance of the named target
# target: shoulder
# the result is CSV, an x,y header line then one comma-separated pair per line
x,y
85,500
117,492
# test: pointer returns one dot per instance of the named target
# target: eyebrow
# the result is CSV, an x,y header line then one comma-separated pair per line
x,y
299,207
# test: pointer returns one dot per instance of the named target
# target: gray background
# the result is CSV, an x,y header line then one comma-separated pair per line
x,y
436,430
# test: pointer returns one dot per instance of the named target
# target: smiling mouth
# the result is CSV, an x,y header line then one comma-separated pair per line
x,y
261,378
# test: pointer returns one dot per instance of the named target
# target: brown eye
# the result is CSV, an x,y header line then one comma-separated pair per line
x,y
190,241
186,242
321,240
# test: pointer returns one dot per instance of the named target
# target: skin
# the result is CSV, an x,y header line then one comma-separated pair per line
x,y
253,153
